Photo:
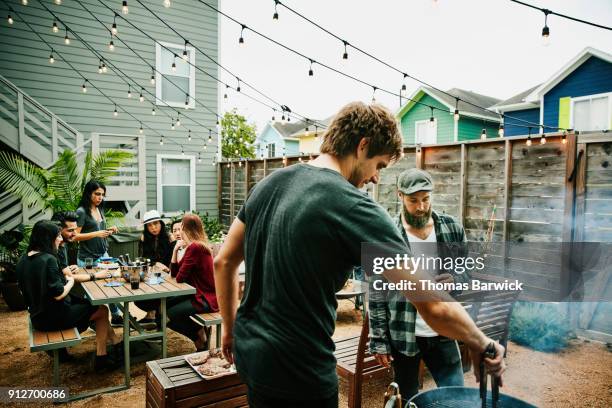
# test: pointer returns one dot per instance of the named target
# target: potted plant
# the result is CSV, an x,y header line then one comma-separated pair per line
x,y
9,255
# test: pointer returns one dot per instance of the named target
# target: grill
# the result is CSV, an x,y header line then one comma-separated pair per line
x,y
462,397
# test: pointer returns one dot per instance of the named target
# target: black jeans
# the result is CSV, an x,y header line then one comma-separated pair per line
x,y
258,400
179,309
442,358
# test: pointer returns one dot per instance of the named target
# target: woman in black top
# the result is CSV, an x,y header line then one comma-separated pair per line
x,y
45,289
155,244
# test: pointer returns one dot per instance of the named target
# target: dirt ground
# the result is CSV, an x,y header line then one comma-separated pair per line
x,y
580,375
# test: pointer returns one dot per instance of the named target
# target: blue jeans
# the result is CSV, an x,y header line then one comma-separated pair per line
x,y
112,306
442,358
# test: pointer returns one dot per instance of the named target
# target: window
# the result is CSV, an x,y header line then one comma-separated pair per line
x,y
272,150
173,87
425,132
592,112
175,183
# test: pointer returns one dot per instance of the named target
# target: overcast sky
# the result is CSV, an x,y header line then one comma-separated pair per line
x,y
492,47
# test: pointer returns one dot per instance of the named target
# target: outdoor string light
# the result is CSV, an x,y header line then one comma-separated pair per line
x,y
58,2
189,135
275,16
51,58
141,97
174,64
152,76
185,56
84,87
546,30
310,72
153,112
241,39
238,87
124,7
483,135
10,19
111,44
456,114
167,3
374,94
209,136
431,118
104,69
172,124
141,130
528,142
500,132
225,94
161,141
100,67
178,119
66,39
564,138
115,112
404,84
129,95
345,55
55,28
24,2
114,27
543,139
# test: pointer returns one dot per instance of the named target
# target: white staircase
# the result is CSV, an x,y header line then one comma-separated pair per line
x,y
37,134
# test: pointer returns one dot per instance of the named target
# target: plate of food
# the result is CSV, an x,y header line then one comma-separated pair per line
x,y
210,364
108,265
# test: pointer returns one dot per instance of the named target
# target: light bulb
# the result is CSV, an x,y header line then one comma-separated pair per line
x,y
129,93
174,67
161,141
51,59
10,19
115,113
153,111
500,132
167,3
528,142
483,135
141,130
104,69
185,56
84,87
66,39
456,115
153,79
111,45
124,8
58,2
55,27
114,29
141,97
543,139
545,36
24,2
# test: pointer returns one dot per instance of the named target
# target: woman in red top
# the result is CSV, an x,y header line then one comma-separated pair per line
x,y
196,269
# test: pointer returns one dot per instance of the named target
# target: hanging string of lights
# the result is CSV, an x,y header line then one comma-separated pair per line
x,y
238,78
178,113
388,65
117,106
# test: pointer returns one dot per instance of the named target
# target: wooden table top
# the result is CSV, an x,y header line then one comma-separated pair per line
x,y
99,294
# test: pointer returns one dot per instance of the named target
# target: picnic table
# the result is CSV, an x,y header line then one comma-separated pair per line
x,y
99,294
354,289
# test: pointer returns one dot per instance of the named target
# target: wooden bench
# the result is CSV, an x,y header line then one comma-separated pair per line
x,y
355,363
171,382
53,341
208,320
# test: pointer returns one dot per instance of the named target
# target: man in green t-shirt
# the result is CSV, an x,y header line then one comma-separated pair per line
x,y
300,233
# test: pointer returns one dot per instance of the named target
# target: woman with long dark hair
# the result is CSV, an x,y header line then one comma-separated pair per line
x,y
196,269
92,231
46,292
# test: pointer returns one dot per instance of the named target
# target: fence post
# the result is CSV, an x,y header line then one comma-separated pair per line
x,y
568,213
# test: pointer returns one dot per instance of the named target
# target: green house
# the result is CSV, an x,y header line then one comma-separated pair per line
x,y
417,126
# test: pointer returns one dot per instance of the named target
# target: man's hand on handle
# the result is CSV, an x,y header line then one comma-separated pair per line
x,y
495,366
227,344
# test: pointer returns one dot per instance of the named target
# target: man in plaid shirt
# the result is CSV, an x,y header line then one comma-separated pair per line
x,y
398,334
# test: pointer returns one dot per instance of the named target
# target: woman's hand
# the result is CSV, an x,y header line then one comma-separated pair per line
x,y
113,229
160,266
180,244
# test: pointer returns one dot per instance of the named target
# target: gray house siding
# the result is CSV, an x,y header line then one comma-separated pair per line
x,y
25,62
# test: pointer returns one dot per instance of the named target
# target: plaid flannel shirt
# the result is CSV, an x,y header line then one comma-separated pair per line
x,y
391,316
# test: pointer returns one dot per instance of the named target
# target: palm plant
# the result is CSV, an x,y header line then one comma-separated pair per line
x,y
58,188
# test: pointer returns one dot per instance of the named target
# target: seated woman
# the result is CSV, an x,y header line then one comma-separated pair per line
x,y
45,289
176,227
155,244
196,269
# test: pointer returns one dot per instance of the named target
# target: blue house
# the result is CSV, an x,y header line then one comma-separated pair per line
x,y
275,139
578,96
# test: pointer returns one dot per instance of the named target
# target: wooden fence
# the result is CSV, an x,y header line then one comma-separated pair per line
x,y
559,191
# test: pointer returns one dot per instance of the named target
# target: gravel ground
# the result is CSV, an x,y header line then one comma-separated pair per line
x,y
581,374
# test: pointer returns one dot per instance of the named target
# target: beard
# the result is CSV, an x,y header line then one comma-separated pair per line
x,y
417,221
